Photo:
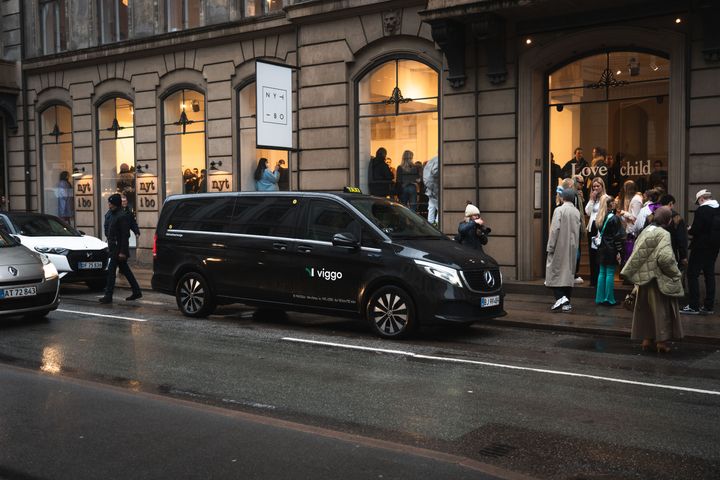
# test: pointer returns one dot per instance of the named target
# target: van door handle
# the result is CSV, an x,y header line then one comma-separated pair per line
x,y
304,249
280,246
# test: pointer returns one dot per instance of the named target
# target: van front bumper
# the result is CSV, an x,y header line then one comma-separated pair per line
x,y
458,305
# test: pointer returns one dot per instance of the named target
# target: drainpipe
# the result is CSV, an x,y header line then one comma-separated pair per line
x,y
26,120
477,124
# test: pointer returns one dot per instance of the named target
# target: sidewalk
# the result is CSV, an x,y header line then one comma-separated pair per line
x,y
528,305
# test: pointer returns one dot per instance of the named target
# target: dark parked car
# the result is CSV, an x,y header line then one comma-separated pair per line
x,y
337,254
28,280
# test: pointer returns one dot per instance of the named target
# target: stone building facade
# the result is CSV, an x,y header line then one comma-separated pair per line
x,y
492,88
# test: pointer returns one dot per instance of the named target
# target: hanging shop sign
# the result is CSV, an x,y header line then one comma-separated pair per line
x,y
219,182
274,105
147,193
84,192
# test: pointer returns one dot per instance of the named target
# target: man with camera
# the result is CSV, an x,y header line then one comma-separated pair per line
x,y
472,231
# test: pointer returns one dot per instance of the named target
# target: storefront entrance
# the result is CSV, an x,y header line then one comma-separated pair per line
x,y
608,117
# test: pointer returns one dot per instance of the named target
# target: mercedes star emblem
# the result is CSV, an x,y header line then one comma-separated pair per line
x,y
489,279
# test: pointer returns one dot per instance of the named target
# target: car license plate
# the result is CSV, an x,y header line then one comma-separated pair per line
x,y
89,265
18,292
490,301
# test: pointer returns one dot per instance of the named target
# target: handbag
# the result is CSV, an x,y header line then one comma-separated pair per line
x,y
629,301
597,239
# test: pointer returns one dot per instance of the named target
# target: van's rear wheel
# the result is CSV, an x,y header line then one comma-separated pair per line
x,y
193,296
391,312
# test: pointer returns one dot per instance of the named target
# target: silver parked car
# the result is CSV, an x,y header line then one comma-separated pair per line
x,y
29,281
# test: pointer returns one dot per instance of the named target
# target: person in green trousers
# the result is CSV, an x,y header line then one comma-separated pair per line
x,y
610,242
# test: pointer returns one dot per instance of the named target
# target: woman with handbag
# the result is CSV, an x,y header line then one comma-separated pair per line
x,y
610,242
597,190
652,267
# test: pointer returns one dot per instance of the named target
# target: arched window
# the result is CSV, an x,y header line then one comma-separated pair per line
x,y
398,111
249,154
57,160
116,147
615,102
184,135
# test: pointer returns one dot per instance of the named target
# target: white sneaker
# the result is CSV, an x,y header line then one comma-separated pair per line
x,y
560,302
579,280
567,308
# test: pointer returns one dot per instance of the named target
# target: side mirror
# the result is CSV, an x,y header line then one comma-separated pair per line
x,y
345,240
81,232
15,237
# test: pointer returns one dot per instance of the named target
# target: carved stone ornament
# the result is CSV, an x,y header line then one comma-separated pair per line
x,y
450,37
489,30
391,22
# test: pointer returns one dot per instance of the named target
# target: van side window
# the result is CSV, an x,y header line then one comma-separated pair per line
x,y
269,216
203,214
326,218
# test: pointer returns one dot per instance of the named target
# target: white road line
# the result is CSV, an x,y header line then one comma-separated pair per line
x,y
500,365
102,315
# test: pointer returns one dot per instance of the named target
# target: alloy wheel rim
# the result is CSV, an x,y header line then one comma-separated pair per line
x,y
390,314
192,295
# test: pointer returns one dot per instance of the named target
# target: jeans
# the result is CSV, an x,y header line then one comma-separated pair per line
x,y
606,285
701,260
113,265
408,196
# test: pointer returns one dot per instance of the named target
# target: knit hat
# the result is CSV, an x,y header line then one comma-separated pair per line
x,y
471,210
115,199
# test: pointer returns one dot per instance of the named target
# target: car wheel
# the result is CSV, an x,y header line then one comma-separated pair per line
x,y
391,312
95,285
193,296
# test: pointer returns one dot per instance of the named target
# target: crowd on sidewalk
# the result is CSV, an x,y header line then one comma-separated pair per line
x,y
639,233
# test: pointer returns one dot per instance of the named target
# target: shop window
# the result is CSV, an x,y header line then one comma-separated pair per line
x,y
57,161
398,111
184,135
614,107
183,14
249,154
52,26
254,8
117,150
113,20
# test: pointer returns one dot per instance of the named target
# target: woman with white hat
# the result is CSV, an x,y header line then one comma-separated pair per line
x,y
472,231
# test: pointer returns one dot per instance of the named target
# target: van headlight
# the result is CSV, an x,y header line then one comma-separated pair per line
x,y
48,267
54,250
450,275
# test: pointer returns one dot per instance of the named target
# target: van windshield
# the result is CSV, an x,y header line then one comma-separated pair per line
x,y
394,219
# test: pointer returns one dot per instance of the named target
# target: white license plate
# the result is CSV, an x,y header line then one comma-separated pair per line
x,y
89,265
18,292
490,301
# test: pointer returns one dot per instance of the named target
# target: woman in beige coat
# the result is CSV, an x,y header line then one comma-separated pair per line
x,y
652,267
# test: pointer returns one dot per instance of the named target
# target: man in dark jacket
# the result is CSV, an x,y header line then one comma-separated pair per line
x,y
703,254
472,231
678,232
117,228
381,177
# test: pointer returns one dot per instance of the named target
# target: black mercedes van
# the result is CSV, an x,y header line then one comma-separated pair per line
x,y
337,254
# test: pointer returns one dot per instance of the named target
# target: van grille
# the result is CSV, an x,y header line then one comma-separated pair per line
x,y
476,280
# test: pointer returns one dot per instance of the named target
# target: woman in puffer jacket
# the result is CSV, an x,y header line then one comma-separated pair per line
x,y
609,252
652,267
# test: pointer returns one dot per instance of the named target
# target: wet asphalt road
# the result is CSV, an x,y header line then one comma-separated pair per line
x,y
250,395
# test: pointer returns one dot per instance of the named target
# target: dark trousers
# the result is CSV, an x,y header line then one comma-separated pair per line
x,y
594,266
701,260
113,265
560,292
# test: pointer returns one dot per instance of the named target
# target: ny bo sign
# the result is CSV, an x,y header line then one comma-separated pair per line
x,y
147,193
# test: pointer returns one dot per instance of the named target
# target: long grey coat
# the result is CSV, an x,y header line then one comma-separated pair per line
x,y
562,247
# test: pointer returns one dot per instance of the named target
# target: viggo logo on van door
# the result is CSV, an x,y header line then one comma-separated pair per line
x,y
324,274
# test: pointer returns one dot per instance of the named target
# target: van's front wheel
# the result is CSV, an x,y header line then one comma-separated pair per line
x,y
391,312
193,296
